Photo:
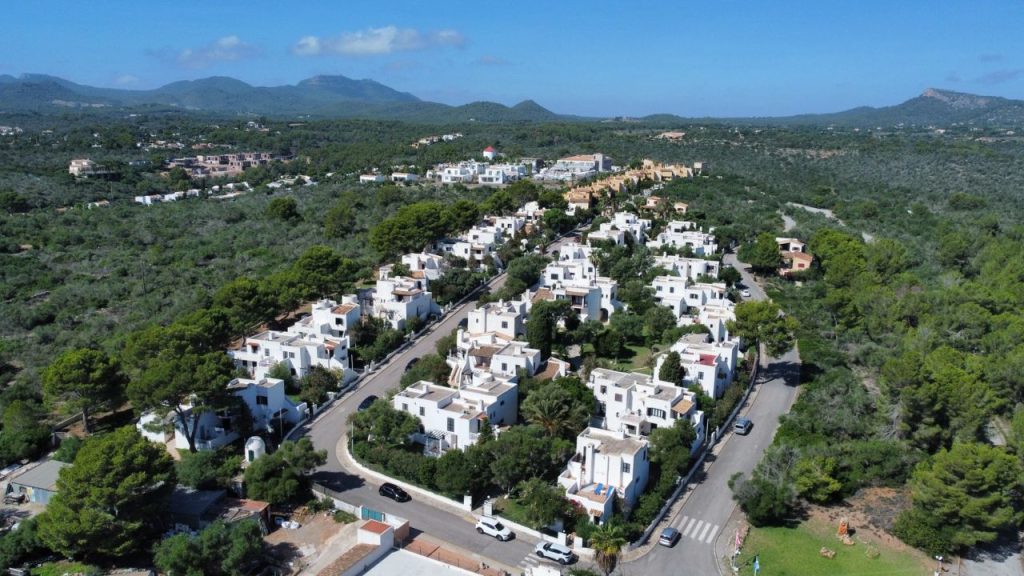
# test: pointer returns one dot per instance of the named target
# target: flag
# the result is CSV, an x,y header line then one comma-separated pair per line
x,y
757,565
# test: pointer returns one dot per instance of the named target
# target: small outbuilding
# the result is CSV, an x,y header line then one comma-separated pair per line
x,y
37,483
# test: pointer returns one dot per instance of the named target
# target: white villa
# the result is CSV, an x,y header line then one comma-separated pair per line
x,y
267,403
692,268
574,277
320,339
622,223
636,404
606,465
680,233
399,299
451,418
711,365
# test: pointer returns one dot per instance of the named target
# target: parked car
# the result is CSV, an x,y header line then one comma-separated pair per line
x,y
742,426
389,490
411,364
669,537
745,293
491,527
366,403
555,552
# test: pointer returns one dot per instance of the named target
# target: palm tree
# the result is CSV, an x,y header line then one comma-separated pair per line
x,y
554,409
607,541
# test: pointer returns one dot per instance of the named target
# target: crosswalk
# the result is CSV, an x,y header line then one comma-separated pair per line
x,y
699,530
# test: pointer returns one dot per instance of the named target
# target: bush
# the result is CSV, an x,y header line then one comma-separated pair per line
x,y
916,529
342,517
317,505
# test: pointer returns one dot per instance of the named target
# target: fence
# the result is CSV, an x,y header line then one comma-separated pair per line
x,y
709,442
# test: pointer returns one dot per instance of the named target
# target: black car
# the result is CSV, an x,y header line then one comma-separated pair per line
x,y
366,403
411,364
389,490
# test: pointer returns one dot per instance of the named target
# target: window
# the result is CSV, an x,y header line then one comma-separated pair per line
x,y
504,367
423,411
261,400
451,425
671,289
659,288
656,412
604,389
625,468
504,323
618,397
405,406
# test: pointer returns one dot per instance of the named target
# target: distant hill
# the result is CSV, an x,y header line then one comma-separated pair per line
x,y
321,96
933,107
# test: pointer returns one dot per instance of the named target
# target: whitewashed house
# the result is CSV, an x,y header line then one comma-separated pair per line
x,y
399,299
637,404
320,339
680,233
607,465
692,268
451,418
710,365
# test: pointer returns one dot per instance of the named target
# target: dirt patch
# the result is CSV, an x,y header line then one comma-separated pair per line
x,y
870,513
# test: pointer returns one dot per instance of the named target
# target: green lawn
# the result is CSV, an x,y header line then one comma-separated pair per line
x,y
795,552
635,360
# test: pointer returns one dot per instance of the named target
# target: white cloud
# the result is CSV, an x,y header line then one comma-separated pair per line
x,y
372,41
126,80
224,49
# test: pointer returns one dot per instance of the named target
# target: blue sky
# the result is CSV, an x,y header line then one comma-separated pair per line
x,y
693,58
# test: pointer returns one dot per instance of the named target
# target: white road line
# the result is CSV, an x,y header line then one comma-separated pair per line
x,y
711,536
679,525
695,529
689,525
703,532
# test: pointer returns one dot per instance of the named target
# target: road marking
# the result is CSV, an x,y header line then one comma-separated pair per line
x,y
695,529
679,525
703,532
689,525
711,536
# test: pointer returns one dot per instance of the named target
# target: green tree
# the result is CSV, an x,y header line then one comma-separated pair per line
x,y
82,380
208,470
283,476
607,541
175,379
385,425
524,452
340,221
543,502
659,322
542,326
764,256
112,500
971,493
314,386
453,474
220,549
672,370
554,409
815,479
763,322
670,447
283,208
25,434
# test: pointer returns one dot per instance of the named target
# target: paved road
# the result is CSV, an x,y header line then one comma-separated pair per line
x,y
704,515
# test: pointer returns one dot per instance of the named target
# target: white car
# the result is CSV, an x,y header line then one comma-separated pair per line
x,y
745,293
555,552
492,527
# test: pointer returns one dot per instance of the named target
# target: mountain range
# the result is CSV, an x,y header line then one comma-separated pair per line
x,y
341,97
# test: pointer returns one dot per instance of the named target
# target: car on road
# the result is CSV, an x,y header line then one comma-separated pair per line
x,y
491,527
555,552
366,403
742,426
389,490
411,364
669,537
745,293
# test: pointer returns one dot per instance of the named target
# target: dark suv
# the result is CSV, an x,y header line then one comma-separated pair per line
x,y
389,490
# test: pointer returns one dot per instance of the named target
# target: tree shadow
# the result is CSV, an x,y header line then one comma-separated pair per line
x,y
281,556
791,373
337,481
1004,548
